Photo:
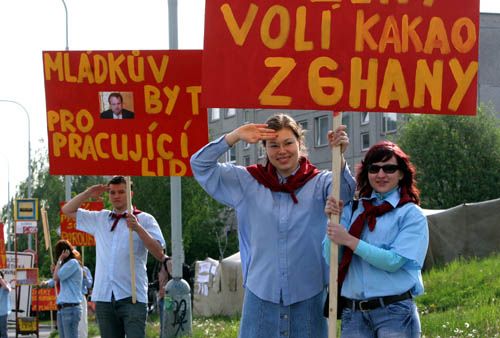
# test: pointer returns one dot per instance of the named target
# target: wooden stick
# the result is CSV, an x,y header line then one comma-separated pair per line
x,y
131,241
334,250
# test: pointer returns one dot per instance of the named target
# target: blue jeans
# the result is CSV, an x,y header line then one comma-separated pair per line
x,y
67,321
263,319
3,326
397,320
120,317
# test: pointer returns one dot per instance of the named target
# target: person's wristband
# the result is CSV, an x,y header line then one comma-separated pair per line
x,y
165,265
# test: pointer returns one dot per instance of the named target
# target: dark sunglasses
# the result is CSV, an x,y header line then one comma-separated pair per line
x,y
388,168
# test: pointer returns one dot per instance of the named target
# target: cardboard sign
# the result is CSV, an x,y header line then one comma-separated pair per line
x,y
27,276
43,299
418,56
68,226
157,94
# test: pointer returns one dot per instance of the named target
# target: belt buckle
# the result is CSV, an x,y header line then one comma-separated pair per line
x,y
360,304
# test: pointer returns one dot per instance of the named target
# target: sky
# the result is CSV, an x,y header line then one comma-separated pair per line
x,y
29,27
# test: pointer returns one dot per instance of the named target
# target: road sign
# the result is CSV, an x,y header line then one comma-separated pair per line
x,y
26,209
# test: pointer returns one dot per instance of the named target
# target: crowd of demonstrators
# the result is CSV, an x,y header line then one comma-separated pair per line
x,y
116,313
383,239
281,224
5,307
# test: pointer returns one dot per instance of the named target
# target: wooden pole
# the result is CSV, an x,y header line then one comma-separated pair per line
x,y
131,241
334,251
48,246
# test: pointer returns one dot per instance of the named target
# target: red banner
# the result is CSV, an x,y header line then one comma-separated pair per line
x,y
43,299
157,94
68,226
418,56
3,254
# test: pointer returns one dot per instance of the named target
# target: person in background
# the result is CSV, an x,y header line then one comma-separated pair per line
x,y
5,307
164,275
281,224
383,239
68,273
116,314
116,110
86,287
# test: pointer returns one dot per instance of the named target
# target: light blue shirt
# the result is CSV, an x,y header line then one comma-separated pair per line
x,y
403,233
112,271
70,277
280,241
87,280
5,307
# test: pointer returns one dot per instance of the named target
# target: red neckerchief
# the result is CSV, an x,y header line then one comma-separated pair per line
x,y
268,177
370,215
117,217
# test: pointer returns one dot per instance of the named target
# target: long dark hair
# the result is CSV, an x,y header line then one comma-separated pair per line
x,y
383,151
62,245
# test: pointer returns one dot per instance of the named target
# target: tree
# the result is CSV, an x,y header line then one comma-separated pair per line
x,y
457,157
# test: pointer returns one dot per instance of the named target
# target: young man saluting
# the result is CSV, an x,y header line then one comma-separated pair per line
x,y
116,315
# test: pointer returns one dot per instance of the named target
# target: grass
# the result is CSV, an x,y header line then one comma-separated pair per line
x,y
461,299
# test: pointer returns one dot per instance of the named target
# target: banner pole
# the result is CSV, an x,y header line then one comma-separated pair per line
x,y
334,252
131,241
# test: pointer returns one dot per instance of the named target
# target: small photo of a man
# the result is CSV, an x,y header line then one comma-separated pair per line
x,y
116,105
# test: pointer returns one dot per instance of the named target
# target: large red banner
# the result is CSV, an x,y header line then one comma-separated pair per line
x,y
158,96
413,56
68,226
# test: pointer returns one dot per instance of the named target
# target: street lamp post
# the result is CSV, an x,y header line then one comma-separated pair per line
x,y
9,242
29,152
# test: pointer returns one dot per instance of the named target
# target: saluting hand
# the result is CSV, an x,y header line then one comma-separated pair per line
x,y
251,133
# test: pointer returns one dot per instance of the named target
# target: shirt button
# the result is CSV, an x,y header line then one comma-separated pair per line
x,y
284,333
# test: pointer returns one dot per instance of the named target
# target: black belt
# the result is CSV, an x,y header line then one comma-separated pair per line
x,y
374,303
64,305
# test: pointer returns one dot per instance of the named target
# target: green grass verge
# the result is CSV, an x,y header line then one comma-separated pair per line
x,y
461,299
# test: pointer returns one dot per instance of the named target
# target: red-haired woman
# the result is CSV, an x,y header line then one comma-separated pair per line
x,y
383,239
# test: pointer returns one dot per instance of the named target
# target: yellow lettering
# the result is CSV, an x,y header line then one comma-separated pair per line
x,y
58,141
67,119
84,121
98,145
114,68
436,37
463,81
363,31
74,144
326,23
67,69
195,92
285,65
100,69
239,33
279,41
85,69
300,31
160,146
136,155
88,148
409,30
172,95
51,65
456,38
152,100
394,86
390,34
158,73
432,81
317,84
119,153
52,119
358,83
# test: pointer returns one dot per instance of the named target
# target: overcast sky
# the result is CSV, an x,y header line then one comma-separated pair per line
x,y
30,26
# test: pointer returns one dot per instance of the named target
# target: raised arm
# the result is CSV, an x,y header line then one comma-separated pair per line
x,y
70,208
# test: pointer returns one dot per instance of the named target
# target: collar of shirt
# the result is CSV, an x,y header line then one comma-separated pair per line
x,y
283,179
392,197
117,116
